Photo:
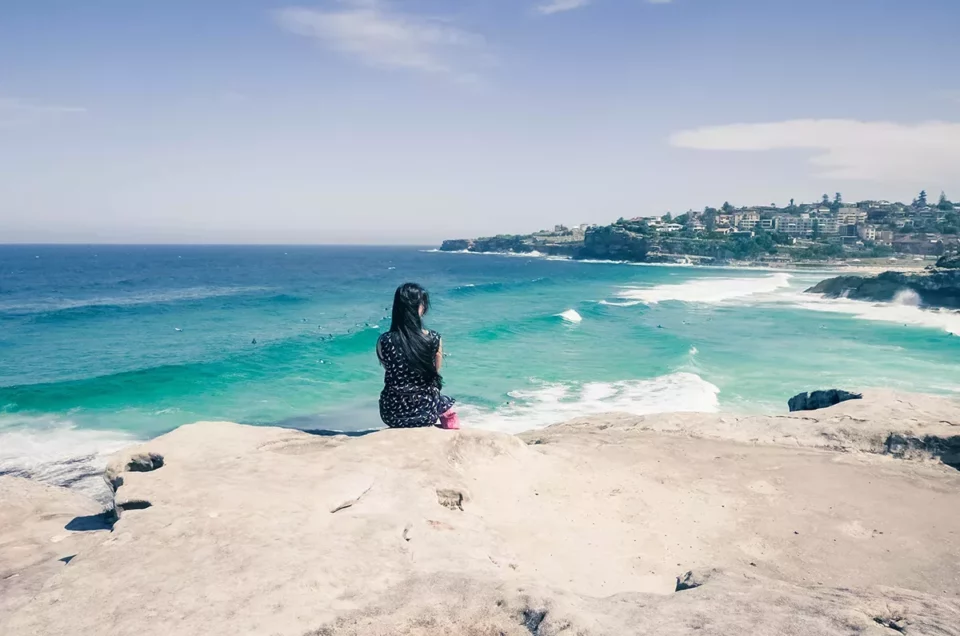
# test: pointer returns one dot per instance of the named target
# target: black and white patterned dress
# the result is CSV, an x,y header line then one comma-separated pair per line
x,y
408,399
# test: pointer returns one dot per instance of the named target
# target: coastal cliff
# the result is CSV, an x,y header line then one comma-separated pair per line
x,y
609,242
674,524
935,287
510,244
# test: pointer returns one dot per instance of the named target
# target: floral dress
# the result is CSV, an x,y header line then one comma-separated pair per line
x,y
408,399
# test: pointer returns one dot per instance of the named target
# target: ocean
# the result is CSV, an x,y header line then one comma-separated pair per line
x,y
101,346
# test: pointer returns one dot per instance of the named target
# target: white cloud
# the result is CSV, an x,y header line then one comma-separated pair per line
x,y
385,38
845,148
14,111
558,6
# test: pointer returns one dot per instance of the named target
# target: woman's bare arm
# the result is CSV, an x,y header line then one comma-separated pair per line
x,y
439,360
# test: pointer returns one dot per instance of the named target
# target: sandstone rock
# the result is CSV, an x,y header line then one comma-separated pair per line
x,y
745,604
820,399
132,461
946,448
42,530
474,532
691,580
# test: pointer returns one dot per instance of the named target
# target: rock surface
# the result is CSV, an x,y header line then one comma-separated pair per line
x,y
938,287
820,399
615,243
610,242
949,261
802,523
42,529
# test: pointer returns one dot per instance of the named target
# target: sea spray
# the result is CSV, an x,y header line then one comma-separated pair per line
x,y
907,298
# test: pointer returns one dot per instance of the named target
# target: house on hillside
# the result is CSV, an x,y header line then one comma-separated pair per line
x,y
746,220
851,216
918,246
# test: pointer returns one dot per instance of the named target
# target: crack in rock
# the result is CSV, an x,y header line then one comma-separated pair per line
x,y
351,502
136,504
896,623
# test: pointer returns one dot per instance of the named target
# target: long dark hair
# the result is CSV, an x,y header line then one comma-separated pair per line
x,y
406,331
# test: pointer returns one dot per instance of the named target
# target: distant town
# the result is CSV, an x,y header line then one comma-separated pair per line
x,y
828,229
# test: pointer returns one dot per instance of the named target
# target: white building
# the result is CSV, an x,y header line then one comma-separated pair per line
x,y
829,225
746,220
851,216
794,226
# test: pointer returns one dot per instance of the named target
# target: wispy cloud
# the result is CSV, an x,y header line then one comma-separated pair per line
x,y
846,148
559,6
380,36
15,111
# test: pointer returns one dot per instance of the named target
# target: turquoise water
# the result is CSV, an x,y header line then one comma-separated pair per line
x,y
100,345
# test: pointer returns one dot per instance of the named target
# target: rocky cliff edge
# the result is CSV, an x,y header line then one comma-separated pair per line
x,y
840,521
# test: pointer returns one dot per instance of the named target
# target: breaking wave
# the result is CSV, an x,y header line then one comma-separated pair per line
x,y
57,452
570,316
708,290
904,310
552,403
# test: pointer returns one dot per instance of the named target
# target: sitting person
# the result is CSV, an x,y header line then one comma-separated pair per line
x,y
411,357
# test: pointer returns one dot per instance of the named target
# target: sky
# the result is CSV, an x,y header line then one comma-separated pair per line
x,y
411,121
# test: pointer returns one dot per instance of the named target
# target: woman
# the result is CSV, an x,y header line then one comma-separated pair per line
x,y
411,357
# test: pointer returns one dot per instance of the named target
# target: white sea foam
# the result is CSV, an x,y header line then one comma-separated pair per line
x,y
708,290
571,316
625,303
553,403
904,310
57,452
533,254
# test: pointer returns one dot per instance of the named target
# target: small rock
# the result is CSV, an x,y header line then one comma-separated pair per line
x,y
820,399
690,580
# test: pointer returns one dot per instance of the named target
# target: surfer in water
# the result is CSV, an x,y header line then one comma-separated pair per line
x,y
411,357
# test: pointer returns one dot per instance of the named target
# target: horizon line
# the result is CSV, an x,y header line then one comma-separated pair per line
x,y
135,244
